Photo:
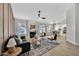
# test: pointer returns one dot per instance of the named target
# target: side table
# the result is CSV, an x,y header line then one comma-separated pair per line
x,y
16,52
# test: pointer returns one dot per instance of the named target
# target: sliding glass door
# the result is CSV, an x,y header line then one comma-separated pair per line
x,y
21,28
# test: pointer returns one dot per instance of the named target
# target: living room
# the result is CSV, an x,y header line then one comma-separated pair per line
x,y
37,29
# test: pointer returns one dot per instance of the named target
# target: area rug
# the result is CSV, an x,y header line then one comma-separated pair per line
x,y
43,48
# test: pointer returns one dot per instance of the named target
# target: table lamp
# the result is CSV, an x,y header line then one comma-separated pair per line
x,y
11,45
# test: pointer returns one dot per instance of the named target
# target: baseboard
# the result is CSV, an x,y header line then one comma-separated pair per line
x,y
72,43
77,44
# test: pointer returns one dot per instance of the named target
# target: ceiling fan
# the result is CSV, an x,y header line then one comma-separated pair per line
x,y
39,12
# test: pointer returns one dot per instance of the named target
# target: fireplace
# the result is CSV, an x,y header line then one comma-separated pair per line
x,y
32,34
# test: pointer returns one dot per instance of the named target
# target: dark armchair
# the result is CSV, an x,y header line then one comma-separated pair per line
x,y
25,47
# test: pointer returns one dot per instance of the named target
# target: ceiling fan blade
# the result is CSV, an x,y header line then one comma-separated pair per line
x,y
39,11
43,18
38,15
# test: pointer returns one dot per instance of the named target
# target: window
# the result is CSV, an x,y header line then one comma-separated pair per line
x,y
22,28
49,28
42,29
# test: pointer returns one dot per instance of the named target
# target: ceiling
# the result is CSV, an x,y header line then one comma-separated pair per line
x,y
52,11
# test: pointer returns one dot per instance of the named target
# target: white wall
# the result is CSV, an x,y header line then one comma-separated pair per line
x,y
71,24
77,24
